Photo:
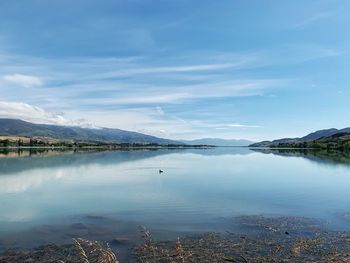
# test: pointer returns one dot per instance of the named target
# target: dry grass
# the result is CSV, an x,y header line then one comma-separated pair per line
x,y
93,251
81,251
151,252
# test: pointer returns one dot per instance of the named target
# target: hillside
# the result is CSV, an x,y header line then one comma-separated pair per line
x,y
14,127
308,138
337,141
218,142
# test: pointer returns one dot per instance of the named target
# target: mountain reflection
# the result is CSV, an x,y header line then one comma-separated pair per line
x,y
13,161
316,155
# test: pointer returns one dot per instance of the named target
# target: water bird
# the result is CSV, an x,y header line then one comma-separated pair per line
x,y
160,171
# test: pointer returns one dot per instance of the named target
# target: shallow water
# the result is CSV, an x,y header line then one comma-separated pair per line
x,y
52,197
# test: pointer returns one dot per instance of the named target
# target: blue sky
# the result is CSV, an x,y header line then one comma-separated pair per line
x,y
178,69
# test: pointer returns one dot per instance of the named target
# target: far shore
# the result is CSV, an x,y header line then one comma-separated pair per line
x,y
112,147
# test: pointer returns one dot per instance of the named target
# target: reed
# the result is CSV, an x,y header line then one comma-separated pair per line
x,y
93,251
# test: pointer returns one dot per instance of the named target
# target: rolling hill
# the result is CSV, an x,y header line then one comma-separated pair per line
x,y
15,127
331,139
308,138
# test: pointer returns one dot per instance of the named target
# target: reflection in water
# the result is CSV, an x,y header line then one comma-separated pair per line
x,y
47,168
11,163
55,196
322,156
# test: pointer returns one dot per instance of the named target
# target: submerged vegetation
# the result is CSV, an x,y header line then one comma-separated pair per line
x,y
80,251
285,239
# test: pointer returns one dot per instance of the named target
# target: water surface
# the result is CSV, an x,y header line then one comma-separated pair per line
x,y
52,197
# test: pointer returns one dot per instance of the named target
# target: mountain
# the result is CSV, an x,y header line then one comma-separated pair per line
x,y
15,127
218,142
319,137
323,133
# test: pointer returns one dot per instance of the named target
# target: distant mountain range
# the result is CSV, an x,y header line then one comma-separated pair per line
x,y
15,127
335,138
327,136
218,142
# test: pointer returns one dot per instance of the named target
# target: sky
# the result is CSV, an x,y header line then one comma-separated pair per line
x,y
179,69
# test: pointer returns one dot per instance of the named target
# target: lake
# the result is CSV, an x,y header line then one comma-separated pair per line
x,y
50,196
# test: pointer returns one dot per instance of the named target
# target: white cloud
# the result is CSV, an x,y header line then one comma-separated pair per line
x,y
26,112
238,125
26,81
146,120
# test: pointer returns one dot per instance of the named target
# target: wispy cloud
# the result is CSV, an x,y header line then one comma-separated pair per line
x,y
178,94
238,125
160,110
26,81
130,81
132,93
149,94
165,69
313,19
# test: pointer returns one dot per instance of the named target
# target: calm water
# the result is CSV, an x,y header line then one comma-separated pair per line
x,y
106,195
